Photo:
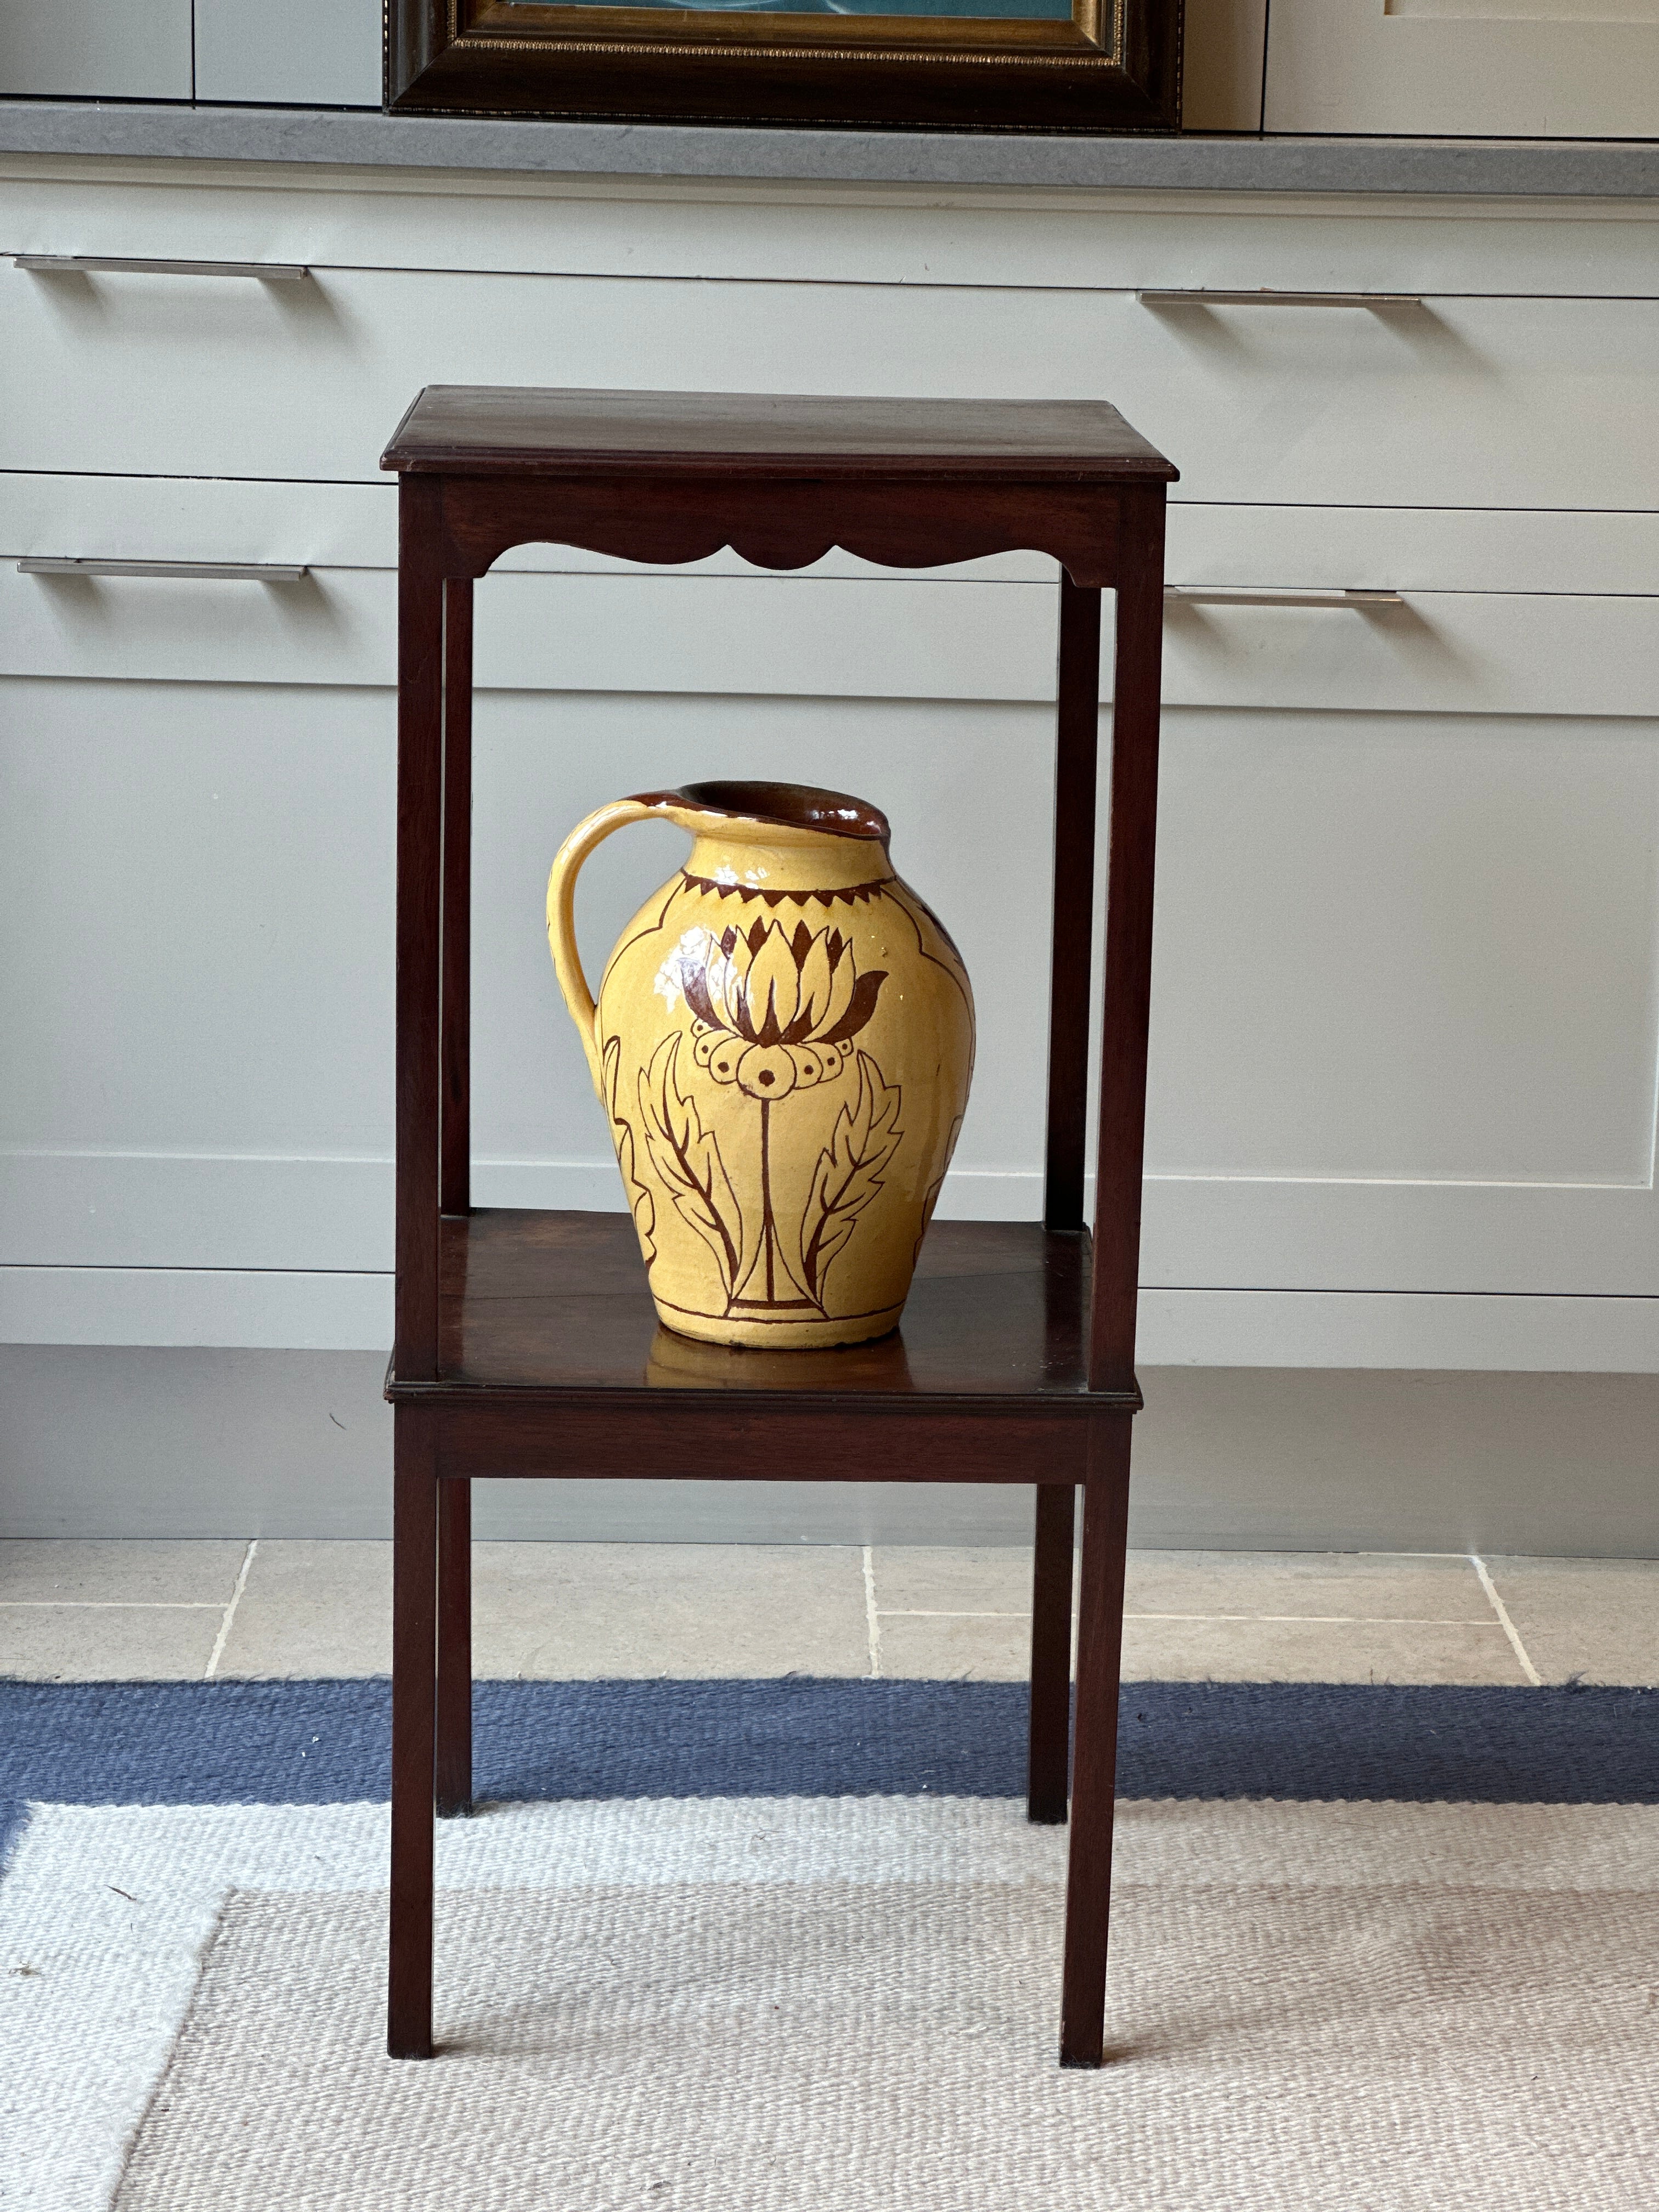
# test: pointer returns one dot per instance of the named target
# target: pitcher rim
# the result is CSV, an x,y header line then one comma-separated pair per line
x,y
783,805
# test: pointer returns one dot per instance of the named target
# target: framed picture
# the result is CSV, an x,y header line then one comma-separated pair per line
x,y
1075,66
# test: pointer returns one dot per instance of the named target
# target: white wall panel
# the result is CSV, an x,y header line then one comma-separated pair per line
x,y
272,1310
265,1308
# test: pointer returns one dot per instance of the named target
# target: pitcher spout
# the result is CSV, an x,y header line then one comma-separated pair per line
x,y
777,837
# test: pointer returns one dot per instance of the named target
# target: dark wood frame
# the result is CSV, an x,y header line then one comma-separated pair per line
x,y
505,1321
1115,66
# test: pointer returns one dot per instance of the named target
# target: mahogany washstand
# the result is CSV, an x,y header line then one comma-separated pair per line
x,y
523,1340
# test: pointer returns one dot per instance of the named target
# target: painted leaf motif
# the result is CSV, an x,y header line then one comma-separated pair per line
x,y
847,1176
687,1158
638,1194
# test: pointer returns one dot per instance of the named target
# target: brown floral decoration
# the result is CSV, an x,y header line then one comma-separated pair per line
x,y
774,1012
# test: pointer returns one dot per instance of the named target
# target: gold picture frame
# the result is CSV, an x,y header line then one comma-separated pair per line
x,y
1105,65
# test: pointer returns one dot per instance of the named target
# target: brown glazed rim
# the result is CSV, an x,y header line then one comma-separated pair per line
x,y
792,806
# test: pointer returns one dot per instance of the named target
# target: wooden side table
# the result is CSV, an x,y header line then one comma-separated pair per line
x,y
526,1343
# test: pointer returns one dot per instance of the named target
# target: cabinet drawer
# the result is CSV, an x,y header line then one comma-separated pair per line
x,y
648,229
95,50
1441,652
354,525
1505,402
1520,69
1530,614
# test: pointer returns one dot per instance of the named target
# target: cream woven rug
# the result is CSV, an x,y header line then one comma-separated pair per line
x,y
1362,2007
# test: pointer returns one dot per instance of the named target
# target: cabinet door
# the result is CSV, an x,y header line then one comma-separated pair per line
x,y
196,896
1532,68
1222,49
95,49
307,53
1405,1005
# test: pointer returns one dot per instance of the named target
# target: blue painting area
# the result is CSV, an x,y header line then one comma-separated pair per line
x,y
329,1742
1056,11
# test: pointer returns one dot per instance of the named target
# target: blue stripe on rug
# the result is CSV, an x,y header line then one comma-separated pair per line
x,y
324,1742
14,1818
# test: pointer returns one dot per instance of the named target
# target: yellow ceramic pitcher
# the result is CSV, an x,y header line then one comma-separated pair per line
x,y
783,1043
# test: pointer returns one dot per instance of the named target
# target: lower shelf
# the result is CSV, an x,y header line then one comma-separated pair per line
x,y
552,1311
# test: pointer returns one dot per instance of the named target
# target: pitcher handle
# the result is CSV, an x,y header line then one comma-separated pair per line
x,y
561,917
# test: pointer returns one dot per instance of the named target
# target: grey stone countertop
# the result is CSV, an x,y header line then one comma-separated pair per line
x,y
1491,168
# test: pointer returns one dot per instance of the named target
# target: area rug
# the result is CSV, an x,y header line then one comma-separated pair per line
x,y
808,1990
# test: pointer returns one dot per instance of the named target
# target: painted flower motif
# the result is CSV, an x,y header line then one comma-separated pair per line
x,y
774,1012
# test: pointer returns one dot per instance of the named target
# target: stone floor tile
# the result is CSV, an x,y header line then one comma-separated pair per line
x,y
1345,1585
107,1642
644,1610
63,1571
1594,1621
977,1579
312,1609
955,1647
1317,1651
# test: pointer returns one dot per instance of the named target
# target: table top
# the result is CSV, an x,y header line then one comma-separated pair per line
x,y
474,429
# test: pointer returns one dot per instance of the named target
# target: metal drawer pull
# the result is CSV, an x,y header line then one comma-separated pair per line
x,y
1202,595
1266,299
240,572
274,272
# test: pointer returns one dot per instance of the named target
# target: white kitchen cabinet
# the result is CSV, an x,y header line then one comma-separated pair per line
x,y
1507,69
1404,1051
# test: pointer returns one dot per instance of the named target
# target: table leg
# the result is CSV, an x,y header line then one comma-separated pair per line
x,y
1049,1757
454,1695
1076,756
1094,1765
455,988
414,1609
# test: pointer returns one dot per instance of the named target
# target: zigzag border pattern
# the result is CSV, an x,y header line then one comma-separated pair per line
x,y
746,894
